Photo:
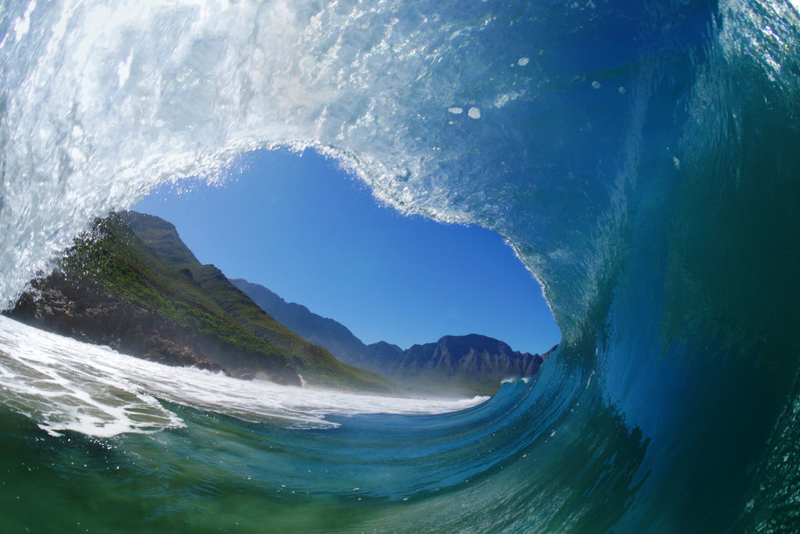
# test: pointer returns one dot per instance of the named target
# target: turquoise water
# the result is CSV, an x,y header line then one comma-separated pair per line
x,y
640,157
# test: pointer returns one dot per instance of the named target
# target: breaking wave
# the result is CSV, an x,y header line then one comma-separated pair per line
x,y
640,157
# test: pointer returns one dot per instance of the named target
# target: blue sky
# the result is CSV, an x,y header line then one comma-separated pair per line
x,y
316,236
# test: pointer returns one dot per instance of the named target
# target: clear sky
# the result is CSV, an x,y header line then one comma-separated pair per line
x,y
316,236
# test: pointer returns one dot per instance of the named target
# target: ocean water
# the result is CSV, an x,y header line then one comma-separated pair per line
x,y
641,158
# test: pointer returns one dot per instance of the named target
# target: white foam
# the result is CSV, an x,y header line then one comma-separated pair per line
x,y
505,98
124,70
23,24
524,380
64,384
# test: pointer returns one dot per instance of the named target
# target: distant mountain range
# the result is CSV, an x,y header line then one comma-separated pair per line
x,y
458,365
131,283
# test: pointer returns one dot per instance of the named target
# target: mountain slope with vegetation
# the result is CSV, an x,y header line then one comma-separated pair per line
x,y
454,365
132,284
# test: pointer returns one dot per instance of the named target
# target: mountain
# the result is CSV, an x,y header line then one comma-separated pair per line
x,y
454,365
132,284
462,364
322,331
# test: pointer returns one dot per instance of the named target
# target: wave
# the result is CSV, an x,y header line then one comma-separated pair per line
x,y
64,384
640,158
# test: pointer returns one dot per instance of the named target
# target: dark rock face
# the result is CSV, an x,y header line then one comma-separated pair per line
x,y
452,365
67,305
72,306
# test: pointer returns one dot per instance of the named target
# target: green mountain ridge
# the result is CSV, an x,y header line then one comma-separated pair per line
x,y
452,366
132,284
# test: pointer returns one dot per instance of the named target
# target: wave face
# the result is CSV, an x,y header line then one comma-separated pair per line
x,y
640,157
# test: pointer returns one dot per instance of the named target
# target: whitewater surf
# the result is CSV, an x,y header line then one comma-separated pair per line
x,y
640,157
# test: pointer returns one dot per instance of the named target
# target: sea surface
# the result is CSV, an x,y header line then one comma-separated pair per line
x,y
640,157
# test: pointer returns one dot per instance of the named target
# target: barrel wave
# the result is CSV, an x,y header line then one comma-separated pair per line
x,y
640,157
